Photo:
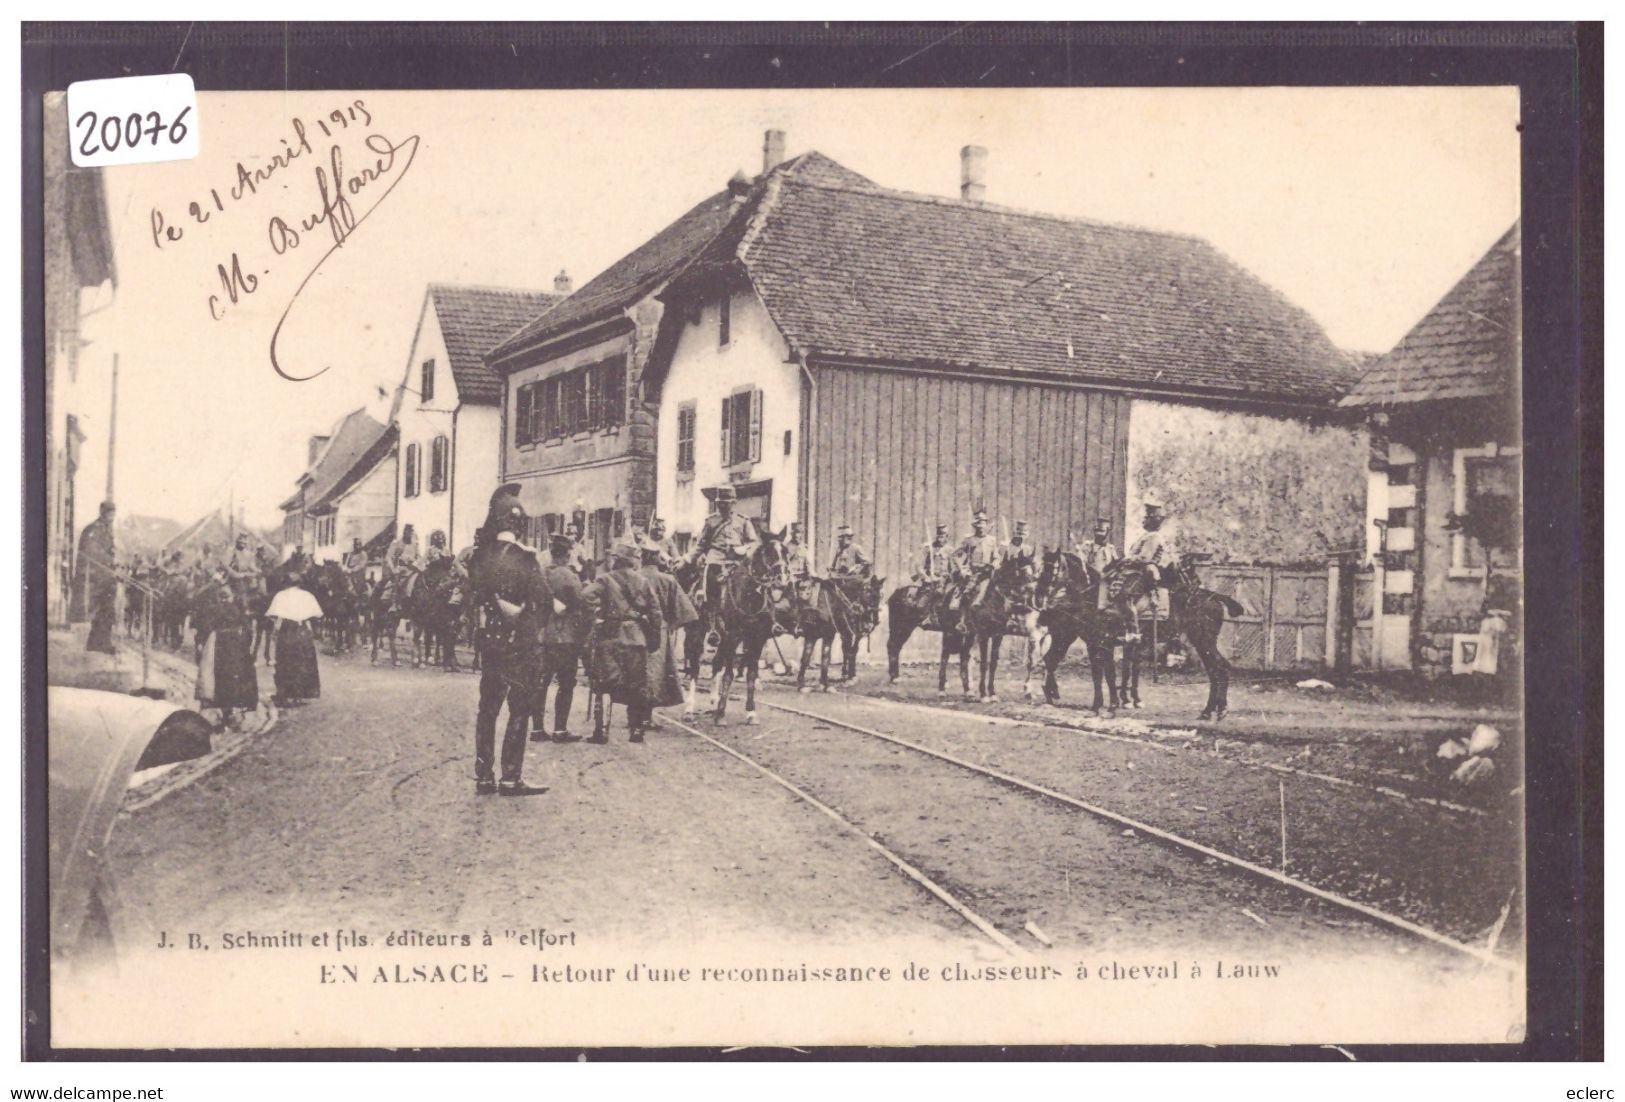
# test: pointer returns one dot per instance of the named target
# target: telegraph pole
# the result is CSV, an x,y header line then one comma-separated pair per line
x,y
112,429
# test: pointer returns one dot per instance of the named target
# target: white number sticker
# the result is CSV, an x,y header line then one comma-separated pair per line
x,y
132,120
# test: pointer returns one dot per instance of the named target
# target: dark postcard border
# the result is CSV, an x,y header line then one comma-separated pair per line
x,y
1558,68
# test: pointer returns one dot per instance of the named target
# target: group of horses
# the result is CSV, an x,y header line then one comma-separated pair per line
x,y
1051,600
355,611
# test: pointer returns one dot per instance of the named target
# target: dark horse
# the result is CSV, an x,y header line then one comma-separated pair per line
x,y
1006,601
1006,607
1193,612
826,607
1068,595
341,605
753,605
435,607
923,606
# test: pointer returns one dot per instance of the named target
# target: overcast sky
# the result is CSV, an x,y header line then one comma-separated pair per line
x,y
1361,205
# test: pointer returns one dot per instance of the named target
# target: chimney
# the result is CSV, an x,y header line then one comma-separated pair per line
x,y
973,173
562,283
739,185
772,150
315,449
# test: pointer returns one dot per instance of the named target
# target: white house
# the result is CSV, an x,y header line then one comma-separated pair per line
x,y
731,412
448,408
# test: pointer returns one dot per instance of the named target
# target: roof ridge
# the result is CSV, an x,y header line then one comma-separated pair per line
x,y
443,285
994,208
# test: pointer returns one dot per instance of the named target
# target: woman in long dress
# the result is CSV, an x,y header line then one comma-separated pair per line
x,y
226,678
293,646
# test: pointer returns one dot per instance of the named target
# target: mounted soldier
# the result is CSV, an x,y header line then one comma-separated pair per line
x,y
355,565
1141,571
243,571
663,543
850,560
937,561
1097,554
1018,546
726,538
974,561
402,564
508,584
797,560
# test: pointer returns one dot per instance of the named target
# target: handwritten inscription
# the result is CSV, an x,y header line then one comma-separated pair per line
x,y
352,169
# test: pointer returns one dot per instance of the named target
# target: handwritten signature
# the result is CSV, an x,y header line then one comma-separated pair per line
x,y
335,188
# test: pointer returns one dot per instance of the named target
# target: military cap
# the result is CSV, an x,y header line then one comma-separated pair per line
x,y
558,541
942,529
1153,506
1103,522
1021,527
980,514
726,492
626,549
844,530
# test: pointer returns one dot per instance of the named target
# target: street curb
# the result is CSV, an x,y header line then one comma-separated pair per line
x,y
182,675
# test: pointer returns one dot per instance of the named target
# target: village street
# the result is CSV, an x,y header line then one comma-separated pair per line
x,y
359,808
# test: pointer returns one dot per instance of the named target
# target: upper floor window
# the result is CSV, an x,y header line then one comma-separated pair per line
x,y
742,427
411,475
426,390
686,416
583,399
439,464
524,403
725,319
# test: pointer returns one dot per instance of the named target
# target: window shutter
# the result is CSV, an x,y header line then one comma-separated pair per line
x,y
727,433
524,399
756,426
427,387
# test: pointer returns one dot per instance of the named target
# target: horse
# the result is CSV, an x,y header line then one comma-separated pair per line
x,y
691,576
923,606
1193,612
753,605
335,591
1069,597
1006,602
170,610
435,606
384,617
845,606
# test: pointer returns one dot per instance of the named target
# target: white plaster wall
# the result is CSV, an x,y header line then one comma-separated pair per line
x,y
476,455
363,512
705,373
420,423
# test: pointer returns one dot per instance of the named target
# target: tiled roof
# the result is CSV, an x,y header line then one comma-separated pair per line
x,y
646,269
1465,347
897,278
473,320
349,441
360,466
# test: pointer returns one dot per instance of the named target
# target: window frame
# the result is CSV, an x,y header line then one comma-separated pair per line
x,y
689,411
411,474
426,380
524,414
1458,498
439,464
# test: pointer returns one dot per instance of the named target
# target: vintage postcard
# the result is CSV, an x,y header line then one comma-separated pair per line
x,y
784,567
